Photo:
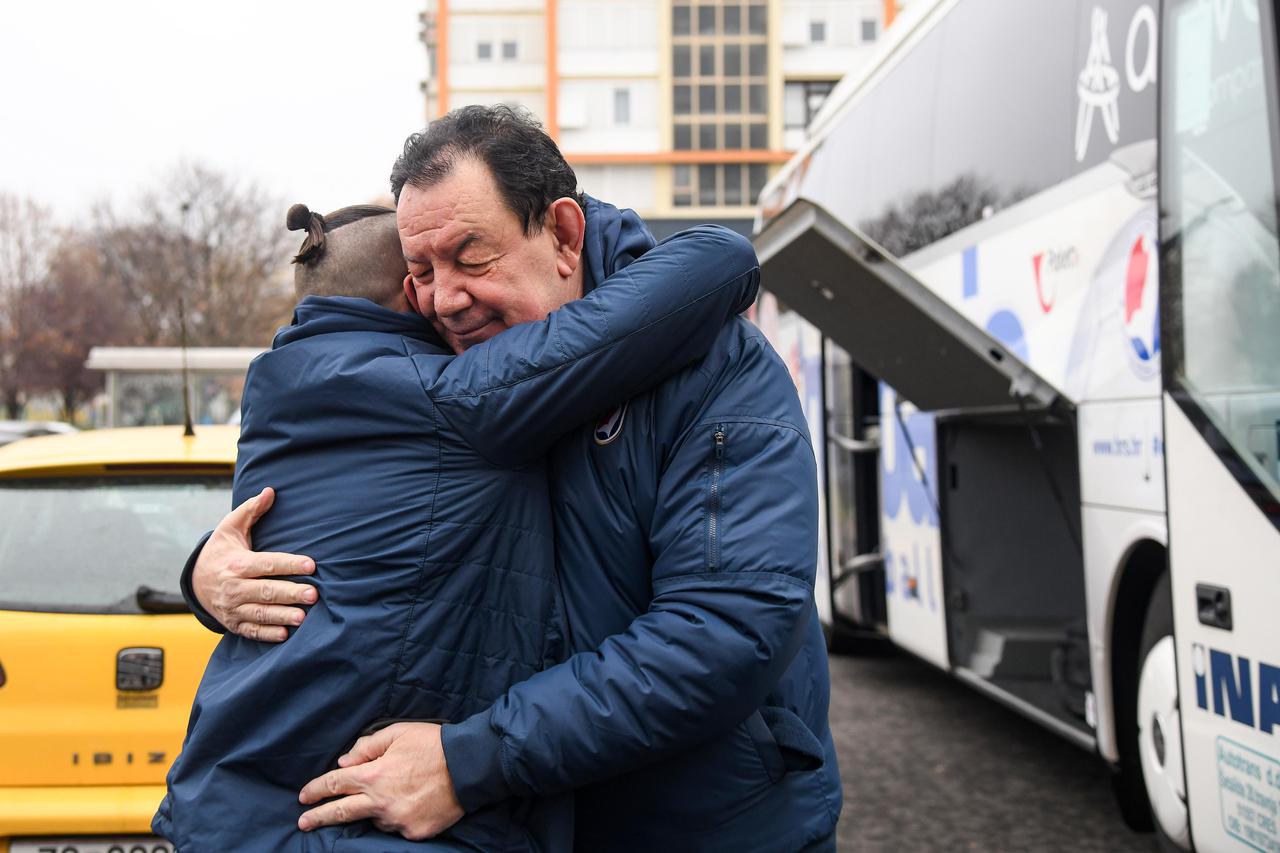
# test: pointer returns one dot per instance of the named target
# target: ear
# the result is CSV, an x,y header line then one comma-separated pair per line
x,y
411,293
568,228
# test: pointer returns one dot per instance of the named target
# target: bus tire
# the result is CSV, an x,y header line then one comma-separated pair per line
x,y
1153,770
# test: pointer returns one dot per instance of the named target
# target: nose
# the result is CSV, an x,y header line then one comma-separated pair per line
x,y
451,296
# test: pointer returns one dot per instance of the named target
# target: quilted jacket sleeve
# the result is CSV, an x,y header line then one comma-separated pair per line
x,y
734,540
514,395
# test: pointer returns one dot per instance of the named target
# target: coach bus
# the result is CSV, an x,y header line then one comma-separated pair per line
x,y
1034,247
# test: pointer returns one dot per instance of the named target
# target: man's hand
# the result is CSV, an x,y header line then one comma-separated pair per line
x,y
229,579
396,776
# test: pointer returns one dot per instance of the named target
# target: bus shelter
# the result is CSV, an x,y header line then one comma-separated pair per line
x,y
144,384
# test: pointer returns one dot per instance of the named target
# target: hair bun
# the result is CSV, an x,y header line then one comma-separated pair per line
x,y
298,218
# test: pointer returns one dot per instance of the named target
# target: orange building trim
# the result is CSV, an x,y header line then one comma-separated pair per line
x,y
442,56
553,70
664,157
890,12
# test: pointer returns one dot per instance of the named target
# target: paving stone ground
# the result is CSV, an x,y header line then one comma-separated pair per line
x,y
929,764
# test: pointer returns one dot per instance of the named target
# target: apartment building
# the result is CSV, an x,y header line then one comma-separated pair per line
x,y
679,109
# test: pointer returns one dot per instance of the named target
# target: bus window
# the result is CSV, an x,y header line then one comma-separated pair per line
x,y
1220,208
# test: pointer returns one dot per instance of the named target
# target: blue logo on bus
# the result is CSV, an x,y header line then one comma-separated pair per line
x,y
1227,683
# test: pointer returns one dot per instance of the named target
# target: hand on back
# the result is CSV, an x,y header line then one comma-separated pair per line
x,y
235,584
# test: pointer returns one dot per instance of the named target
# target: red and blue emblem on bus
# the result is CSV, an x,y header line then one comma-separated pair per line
x,y
1142,305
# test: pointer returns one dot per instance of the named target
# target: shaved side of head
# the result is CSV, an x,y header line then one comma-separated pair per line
x,y
353,252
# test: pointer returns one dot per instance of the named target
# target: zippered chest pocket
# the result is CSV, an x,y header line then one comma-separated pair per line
x,y
718,444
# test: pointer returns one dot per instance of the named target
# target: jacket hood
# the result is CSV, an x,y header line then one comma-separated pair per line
x,y
322,315
614,239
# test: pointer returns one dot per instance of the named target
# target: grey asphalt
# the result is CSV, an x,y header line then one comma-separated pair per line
x,y
929,764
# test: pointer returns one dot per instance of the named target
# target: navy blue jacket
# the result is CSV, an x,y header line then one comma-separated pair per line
x,y
396,469
694,711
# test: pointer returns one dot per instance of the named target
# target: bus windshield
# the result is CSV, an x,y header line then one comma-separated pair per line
x,y
1221,213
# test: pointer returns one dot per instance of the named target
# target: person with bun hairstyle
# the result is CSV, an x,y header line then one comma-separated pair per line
x,y
415,479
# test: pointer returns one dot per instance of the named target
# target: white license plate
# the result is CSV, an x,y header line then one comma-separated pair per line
x,y
92,844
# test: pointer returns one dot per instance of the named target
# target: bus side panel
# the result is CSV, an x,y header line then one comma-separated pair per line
x,y
1110,535
1122,504
1228,680
910,535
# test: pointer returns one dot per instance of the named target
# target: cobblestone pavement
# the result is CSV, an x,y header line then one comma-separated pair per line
x,y
929,764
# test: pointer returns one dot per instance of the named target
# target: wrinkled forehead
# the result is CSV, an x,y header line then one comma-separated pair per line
x,y
464,201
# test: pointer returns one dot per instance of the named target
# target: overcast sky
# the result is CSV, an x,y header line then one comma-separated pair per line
x,y
310,99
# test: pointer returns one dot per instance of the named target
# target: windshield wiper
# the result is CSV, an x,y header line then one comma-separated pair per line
x,y
159,601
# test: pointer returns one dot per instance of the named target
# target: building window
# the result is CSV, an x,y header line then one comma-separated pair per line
x,y
801,102
682,61
708,178
732,99
622,106
759,176
484,50
717,185
720,101
732,19
870,29
707,100
720,69
682,185
732,60
732,176
818,32
707,60
682,100
706,20
508,50
680,21
793,114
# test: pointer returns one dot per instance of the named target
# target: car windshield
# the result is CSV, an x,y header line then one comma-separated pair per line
x,y
87,544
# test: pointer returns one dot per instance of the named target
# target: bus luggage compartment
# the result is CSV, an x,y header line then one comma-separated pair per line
x,y
1012,564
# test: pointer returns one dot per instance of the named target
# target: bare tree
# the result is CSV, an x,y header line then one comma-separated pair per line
x,y
26,238
218,245
72,309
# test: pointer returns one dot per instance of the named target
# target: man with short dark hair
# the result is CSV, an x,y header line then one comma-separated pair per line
x,y
694,712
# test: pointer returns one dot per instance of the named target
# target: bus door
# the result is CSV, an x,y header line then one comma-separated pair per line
x,y
1213,674
930,359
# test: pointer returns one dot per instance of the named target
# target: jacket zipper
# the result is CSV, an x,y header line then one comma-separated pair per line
x,y
713,501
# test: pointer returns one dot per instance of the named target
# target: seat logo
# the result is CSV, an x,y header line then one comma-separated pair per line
x,y
139,668
609,426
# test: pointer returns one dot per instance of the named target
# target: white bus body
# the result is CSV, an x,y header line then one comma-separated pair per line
x,y
975,224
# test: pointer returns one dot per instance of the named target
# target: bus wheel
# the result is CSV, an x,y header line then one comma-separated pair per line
x,y
1159,727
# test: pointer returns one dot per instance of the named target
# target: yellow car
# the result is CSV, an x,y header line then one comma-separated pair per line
x,y
99,660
